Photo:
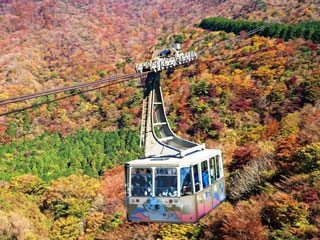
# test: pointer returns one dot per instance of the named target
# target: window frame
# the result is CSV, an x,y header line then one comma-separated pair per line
x,y
209,175
130,181
199,177
154,181
212,159
191,178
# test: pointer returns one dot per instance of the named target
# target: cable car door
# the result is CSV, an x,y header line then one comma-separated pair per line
x,y
206,188
198,193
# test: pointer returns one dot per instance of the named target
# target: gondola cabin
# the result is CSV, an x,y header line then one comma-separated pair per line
x,y
173,189
178,181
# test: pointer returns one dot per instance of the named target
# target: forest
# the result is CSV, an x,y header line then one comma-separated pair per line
x,y
50,156
305,30
256,98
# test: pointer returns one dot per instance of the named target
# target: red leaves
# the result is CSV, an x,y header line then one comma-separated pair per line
x,y
243,155
239,104
3,129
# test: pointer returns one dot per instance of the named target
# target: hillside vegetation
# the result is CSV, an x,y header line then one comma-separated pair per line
x,y
54,43
306,30
257,99
51,156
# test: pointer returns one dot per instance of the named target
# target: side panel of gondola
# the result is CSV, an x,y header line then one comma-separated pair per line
x,y
210,197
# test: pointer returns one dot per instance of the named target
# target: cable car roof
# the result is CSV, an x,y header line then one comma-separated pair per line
x,y
190,159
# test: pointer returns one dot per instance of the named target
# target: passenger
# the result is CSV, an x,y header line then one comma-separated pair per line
x,y
139,183
172,192
205,178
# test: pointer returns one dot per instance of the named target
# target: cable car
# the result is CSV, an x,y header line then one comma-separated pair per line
x,y
178,181
176,190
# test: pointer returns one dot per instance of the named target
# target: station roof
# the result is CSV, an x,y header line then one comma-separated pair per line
x,y
190,159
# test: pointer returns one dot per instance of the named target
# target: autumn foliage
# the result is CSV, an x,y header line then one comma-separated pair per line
x,y
256,98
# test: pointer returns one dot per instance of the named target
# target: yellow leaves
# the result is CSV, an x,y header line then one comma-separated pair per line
x,y
258,40
94,222
262,41
278,92
28,184
62,113
267,147
247,49
65,228
220,80
42,110
281,47
237,71
254,134
183,232
289,124
237,80
265,73
20,217
94,78
207,54
219,90
9,156
74,186
195,35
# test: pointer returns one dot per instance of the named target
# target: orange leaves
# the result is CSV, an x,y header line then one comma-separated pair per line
x,y
244,222
74,99
202,67
3,129
128,69
286,147
113,184
271,130
112,188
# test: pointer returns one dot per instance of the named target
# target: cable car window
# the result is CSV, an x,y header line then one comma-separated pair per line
x,y
205,173
141,182
185,181
218,165
166,182
196,178
212,170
